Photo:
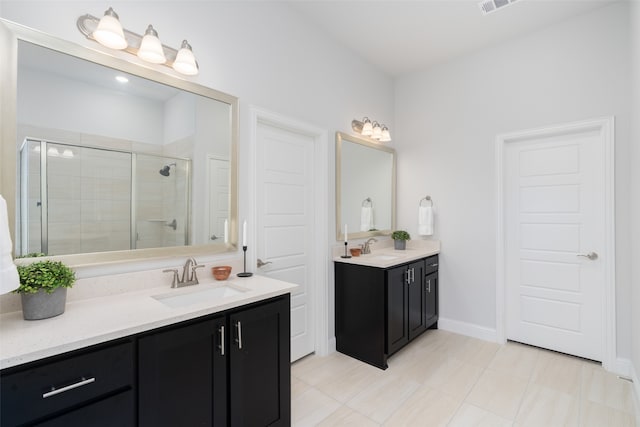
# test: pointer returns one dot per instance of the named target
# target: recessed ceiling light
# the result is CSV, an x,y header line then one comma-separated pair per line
x,y
122,79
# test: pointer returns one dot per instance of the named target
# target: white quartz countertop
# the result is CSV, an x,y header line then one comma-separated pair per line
x,y
387,257
96,320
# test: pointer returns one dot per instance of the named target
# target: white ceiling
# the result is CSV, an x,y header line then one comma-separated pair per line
x,y
401,36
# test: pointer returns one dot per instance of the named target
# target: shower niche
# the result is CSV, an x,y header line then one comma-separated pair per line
x,y
81,199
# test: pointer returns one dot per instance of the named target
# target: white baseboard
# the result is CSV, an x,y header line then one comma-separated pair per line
x,y
633,375
621,367
468,329
331,345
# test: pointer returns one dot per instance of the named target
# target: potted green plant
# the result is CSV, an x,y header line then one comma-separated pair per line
x,y
43,288
400,238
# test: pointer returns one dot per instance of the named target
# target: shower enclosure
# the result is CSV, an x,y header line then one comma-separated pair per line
x,y
78,199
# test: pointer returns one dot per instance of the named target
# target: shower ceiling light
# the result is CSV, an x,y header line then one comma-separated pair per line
x,y
148,48
373,130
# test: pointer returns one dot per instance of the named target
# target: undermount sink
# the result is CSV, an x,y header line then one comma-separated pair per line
x,y
204,294
384,257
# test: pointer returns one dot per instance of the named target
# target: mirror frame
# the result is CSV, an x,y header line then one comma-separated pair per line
x,y
10,34
340,137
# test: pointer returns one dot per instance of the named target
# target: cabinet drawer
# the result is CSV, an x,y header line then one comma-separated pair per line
x,y
49,387
431,264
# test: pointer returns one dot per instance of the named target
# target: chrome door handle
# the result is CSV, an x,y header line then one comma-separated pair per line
x,y
221,346
262,263
239,338
591,255
413,275
408,277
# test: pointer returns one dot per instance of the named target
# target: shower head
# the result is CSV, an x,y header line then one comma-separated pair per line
x,y
165,169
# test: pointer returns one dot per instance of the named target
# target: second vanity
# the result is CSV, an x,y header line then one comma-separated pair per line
x,y
155,357
384,300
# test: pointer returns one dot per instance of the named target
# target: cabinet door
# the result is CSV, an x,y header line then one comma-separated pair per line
x,y
259,365
182,376
417,299
397,306
431,295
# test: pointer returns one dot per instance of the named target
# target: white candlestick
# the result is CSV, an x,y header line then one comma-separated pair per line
x,y
244,233
226,231
345,234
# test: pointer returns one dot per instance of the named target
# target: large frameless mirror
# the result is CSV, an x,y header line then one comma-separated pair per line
x,y
365,187
112,159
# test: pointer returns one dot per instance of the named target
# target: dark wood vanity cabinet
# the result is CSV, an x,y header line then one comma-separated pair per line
x,y
226,369
379,311
93,386
182,375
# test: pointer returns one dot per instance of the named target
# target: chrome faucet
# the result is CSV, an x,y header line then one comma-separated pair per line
x,y
366,248
189,274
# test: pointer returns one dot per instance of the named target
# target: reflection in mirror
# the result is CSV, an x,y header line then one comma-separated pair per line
x,y
365,187
113,157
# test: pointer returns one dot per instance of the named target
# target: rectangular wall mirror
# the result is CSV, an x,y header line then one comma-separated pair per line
x,y
365,187
110,159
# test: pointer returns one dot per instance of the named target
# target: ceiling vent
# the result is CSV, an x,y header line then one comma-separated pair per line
x,y
488,6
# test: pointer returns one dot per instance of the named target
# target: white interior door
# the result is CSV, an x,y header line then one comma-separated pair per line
x,y
218,197
555,243
285,221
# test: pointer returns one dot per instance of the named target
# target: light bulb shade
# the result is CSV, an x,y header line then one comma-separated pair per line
x,y
377,131
109,32
150,48
185,62
367,128
385,136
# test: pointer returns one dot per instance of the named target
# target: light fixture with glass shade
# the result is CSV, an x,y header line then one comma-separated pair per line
x,y
385,136
150,47
185,62
371,129
109,32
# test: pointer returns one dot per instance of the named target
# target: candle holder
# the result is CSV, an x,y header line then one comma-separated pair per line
x,y
346,254
244,272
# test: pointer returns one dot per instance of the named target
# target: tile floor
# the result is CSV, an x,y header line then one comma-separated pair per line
x,y
445,379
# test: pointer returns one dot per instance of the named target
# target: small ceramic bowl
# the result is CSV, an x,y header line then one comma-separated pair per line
x,y
355,251
222,272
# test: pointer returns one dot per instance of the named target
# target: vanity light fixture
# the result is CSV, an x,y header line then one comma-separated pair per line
x,y
109,32
151,48
373,130
122,79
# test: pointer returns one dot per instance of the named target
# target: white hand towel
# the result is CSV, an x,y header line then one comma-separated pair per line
x,y
425,220
9,280
366,218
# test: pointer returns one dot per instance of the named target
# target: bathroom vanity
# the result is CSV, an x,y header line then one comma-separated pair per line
x,y
155,357
385,300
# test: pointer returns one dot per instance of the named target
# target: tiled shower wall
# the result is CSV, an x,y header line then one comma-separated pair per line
x,y
90,197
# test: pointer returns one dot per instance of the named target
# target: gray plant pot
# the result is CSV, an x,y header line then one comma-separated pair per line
x,y
400,245
42,305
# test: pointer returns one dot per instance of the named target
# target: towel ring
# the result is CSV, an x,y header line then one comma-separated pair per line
x,y
426,199
367,202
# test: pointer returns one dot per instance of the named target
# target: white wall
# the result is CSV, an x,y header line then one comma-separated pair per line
x,y
260,52
635,192
448,117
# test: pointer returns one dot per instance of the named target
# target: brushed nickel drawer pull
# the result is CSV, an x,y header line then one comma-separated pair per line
x,y
83,381
239,339
221,346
